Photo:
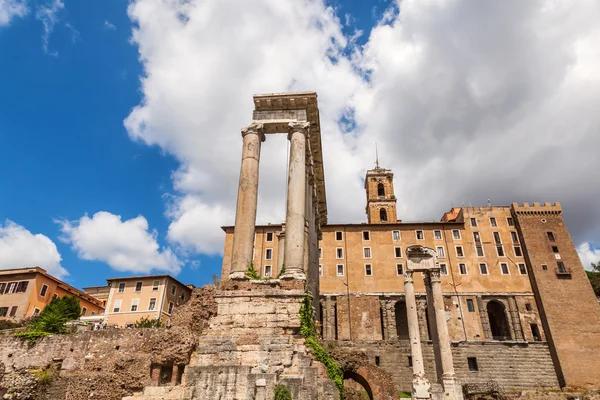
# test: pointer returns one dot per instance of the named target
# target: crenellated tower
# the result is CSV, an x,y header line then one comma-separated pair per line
x,y
381,199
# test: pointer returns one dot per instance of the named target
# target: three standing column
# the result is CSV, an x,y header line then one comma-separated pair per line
x,y
247,200
296,202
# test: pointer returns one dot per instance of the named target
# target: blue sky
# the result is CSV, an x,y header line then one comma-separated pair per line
x,y
131,117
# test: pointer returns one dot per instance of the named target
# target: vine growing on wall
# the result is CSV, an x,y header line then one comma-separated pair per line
x,y
307,329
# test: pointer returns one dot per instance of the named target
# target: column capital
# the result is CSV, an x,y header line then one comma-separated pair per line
x,y
408,276
302,127
256,129
434,275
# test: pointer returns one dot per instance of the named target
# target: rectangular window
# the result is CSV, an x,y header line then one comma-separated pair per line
x,y
528,307
459,251
561,267
173,289
12,287
398,252
493,222
3,311
367,252
535,332
366,235
479,251
443,269
267,271
514,237
269,236
473,222
182,297
544,267
555,249
2,287
338,235
138,286
268,254
36,312
13,311
134,304
476,237
462,269
368,270
44,290
399,270
510,221
470,305
22,286
340,270
500,250
518,252
155,285
320,270
420,235
55,296
504,269
497,238
472,361
152,304
522,269
339,253
410,362
483,269
83,311
396,236
320,253
122,287
440,252
437,235
117,306
455,234
171,305
551,236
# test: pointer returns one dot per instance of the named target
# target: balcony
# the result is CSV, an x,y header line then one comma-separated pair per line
x,y
563,272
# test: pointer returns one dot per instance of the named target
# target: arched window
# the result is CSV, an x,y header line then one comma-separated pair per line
x,y
380,190
382,215
498,322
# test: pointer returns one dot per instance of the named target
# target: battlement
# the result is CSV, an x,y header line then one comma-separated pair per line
x,y
537,208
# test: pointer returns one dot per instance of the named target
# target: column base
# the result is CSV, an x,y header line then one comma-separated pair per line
x,y
293,273
421,389
238,276
452,388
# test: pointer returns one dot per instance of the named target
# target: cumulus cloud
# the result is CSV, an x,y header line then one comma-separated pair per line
x,y
588,254
19,248
127,246
10,9
48,15
467,101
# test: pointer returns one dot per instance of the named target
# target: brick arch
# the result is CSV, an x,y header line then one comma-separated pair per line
x,y
378,384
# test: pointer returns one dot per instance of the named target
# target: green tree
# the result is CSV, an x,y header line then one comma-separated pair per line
x,y
594,277
146,322
56,314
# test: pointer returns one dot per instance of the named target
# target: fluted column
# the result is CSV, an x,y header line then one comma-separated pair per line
x,y
296,202
452,388
245,213
421,387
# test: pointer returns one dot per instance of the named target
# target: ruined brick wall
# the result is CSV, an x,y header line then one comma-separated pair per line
x,y
567,304
512,366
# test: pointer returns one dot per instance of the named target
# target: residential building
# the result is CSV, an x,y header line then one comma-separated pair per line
x,y
98,292
24,292
135,297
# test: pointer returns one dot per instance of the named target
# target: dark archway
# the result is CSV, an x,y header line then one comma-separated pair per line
x,y
401,320
382,215
356,382
498,322
380,190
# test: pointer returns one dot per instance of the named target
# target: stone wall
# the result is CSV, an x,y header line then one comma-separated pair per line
x,y
512,365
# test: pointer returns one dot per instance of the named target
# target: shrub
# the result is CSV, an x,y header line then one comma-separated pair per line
x,y
282,393
44,376
31,336
146,322
52,319
251,272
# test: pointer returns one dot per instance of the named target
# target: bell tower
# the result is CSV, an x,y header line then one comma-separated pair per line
x,y
381,200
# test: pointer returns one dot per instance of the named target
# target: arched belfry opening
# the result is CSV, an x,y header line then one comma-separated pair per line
x,y
380,190
383,215
498,321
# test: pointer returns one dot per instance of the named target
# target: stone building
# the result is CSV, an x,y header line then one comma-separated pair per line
x,y
518,306
24,292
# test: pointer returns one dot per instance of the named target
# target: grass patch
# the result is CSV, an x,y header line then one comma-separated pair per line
x,y
44,376
31,336
404,395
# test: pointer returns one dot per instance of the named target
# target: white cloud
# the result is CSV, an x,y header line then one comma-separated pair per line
x,y
48,15
467,101
109,26
19,248
10,9
126,246
588,254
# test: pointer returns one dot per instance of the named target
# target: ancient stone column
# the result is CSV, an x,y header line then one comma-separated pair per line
x,y
485,322
245,213
280,249
516,321
433,327
296,202
421,387
452,388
